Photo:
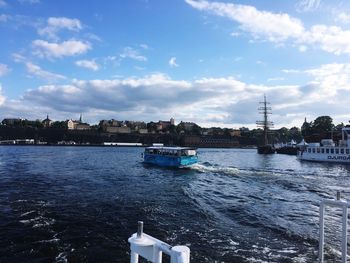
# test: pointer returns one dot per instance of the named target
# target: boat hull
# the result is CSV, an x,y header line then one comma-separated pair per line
x,y
287,150
170,161
331,158
266,149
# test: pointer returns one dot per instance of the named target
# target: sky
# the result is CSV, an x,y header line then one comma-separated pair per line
x,y
209,62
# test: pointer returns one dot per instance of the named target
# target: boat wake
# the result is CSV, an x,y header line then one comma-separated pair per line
x,y
206,167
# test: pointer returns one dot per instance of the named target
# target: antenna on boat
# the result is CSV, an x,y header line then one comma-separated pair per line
x,y
265,124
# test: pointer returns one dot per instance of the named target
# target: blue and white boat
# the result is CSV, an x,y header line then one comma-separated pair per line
x,y
170,156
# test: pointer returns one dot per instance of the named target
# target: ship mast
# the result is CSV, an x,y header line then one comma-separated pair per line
x,y
265,124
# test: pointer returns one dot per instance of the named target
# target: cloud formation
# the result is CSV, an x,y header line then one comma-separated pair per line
x,y
308,5
132,53
89,64
172,62
42,74
343,18
4,69
71,47
278,28
207,101
32,2
3,3
4,18
56,24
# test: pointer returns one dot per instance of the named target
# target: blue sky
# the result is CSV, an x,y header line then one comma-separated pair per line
x,y
209,62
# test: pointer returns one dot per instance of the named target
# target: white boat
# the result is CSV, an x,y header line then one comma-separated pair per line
x,y
327,151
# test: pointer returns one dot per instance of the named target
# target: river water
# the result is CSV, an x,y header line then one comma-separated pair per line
x,y
80,204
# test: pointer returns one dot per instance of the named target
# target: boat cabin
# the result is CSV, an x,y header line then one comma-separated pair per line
x,y
171,151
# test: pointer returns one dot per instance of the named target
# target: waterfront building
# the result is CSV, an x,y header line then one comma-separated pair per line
x,y
236,133
188,126
47,122
82,126
11,121
143,131
164,125
113,129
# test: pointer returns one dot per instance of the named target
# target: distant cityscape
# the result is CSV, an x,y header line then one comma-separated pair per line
x,y
111,132
122,127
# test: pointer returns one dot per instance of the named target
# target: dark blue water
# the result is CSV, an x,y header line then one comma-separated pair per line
x,y
80,204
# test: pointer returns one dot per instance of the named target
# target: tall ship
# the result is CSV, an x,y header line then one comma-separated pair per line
x,y
266,125
327,150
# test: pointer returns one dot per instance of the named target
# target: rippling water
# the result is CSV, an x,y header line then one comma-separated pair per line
x,y
80,204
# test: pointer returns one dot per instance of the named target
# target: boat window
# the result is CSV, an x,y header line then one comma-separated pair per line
x,y
309,150
342,151
318,150
313,150
347,151
327,150
332,151
337,151
322,150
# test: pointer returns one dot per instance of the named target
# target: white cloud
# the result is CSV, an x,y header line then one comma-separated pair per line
x,y
280,27
4,69
4,18
131,53
89,64
3,3
32,2
172,62
55,24
18,58
144,46
235,34
330,38
331,78
308,5
288,71
72,47
46,75
2,97
343,18
276,27
275,79
303,48
225,102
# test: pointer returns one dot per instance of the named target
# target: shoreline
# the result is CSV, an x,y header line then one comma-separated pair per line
x,y
117,146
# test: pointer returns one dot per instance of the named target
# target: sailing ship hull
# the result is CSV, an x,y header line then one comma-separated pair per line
x,y
266,149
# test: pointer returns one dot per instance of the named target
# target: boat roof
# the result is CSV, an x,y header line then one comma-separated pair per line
x,y
170,148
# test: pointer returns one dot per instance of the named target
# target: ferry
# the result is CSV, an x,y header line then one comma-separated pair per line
x,y
327,151
170,156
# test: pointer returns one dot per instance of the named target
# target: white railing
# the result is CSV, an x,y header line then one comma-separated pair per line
x,y
152,249
344,206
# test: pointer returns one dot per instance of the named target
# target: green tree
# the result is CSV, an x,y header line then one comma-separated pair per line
x,y
151,126
282,135
59,125
323,124
196,130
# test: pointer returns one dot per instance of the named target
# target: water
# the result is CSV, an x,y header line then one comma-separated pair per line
x,y
80,204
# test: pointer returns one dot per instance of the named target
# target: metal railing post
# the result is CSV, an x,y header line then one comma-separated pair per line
x,y
344,244
152,249
321,241
345,207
